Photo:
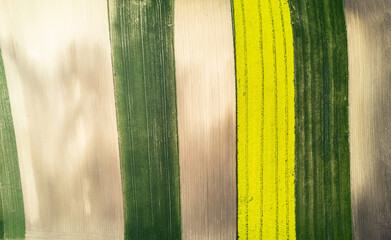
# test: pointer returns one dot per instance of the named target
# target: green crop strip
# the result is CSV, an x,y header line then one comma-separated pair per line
x,y
1,219
142,42
12,223
322,133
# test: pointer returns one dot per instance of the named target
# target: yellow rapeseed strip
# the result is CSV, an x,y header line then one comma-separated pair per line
x,y
266,120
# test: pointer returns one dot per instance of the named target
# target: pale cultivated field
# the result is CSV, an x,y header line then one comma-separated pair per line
x,y
369,40
206,118
58,67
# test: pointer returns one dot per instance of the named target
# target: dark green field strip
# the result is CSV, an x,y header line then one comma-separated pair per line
x,y
145,91
322,133
12,223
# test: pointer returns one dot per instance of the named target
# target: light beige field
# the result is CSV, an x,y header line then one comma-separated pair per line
x,y
58,67
369,40
205,73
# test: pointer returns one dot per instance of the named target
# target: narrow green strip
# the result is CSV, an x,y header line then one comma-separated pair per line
x,y
322,147
12,223
1,218
142,39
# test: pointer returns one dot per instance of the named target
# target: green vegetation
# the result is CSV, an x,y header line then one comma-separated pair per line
x,y
142,42
323,209
1,219
12,223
